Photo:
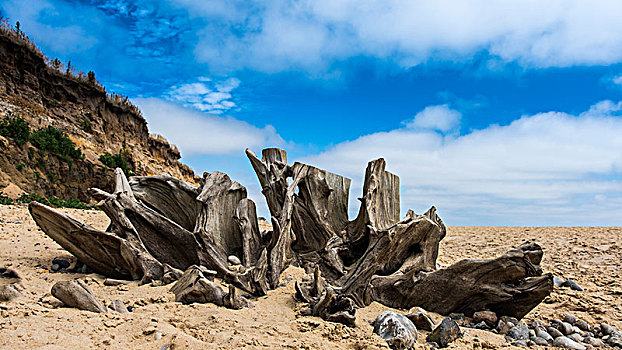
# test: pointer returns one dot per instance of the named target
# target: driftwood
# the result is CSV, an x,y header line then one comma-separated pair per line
x,y
77,294
161,226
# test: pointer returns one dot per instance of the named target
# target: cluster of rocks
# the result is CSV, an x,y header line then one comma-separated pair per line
x,y
13,288
64,266
570,333
400,331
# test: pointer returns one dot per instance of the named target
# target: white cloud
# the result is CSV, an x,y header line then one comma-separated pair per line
x,y
311,34
617,79
548,168
195,132
205,95
440,118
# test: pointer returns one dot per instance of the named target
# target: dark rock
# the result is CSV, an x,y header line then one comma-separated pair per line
x,y
570,318
606,329
520,343
576,337
518,332
615,340
446,332
558,282
504,326
572,285
566,328
594,342
481,325
540,341
565,342
396,329
54,267
584,326
130,308
456,316
541,333
487,316
554,332
421,319
62,263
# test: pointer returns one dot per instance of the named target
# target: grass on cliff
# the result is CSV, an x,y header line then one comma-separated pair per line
x,y
48,139
50,201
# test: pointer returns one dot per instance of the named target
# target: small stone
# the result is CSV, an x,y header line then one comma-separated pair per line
x,y
566,328
565,342
540,333
584,326
481,325
572,285
54,267
558,282
519,343
234,260
396,329
554,332
615,340
593,341
504,326
456,316
446,332
149,330
576,337
421,319
570,318
157,336
518,332
487,316
540,341
606,329
62,263
532,333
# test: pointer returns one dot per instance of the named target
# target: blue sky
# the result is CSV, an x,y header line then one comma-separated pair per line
x,y
498,113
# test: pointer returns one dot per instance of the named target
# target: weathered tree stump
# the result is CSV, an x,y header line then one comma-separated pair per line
x,y
161,226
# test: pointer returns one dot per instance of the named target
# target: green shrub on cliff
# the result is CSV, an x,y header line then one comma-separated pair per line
x,y
55,141
116,161
15,128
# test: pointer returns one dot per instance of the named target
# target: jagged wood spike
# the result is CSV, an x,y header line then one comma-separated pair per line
x,y
272,171
246,218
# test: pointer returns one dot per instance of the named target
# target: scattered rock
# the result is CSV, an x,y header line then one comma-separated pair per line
x,y
77,294
62,263
157,336
593,341
118,306
606,329
572,285
481,325
518,332
447,332
234,260
149,330
615,340
398,330
565,342
421,319
576,337
55,267
558,282
540,341
541,333
504,326
570,318
487,316
554,332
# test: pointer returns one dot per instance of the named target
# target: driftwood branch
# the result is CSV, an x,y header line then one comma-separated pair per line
x,y
161,226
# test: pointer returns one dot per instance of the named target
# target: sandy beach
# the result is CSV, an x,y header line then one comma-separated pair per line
x,y
590,256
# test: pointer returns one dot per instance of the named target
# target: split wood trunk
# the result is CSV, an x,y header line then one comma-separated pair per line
x,y
161,225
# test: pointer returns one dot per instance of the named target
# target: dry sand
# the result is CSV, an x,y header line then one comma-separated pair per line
x,y
590,256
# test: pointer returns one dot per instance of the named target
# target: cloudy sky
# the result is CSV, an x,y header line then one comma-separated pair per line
x,y
498,113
